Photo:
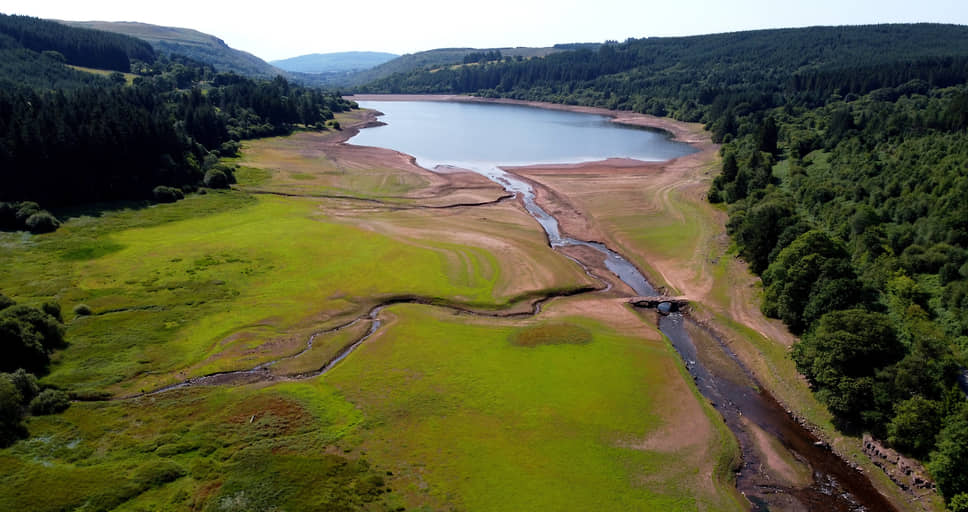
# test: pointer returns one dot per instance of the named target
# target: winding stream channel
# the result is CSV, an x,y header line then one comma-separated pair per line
x,y
745,406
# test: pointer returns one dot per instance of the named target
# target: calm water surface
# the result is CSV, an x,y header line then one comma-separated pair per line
x,y
454,133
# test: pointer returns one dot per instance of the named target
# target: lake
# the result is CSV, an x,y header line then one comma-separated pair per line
x,y
488,134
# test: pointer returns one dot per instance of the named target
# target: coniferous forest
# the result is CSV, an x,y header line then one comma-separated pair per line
x,y
845,174
68,137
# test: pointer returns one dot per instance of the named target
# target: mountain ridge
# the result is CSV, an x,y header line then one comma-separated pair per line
x,y
333,62
188,42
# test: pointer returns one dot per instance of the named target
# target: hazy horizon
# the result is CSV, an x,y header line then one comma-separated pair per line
x,y
399,28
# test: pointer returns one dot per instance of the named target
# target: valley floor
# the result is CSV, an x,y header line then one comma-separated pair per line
x,y
494,373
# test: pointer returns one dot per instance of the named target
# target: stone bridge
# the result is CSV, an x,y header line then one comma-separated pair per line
x,y
653,302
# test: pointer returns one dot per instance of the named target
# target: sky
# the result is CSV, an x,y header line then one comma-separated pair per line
x,y
276,31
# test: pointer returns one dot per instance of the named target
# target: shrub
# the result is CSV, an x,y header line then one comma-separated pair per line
x,y
11,414
915,424
53,309
958,503
25,382
49,401
42,222
165,194
8,216
21,348
229,148
83,310
25,210
216,178
5,302
27,336
950,457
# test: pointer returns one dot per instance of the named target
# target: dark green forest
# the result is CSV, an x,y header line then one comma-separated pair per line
x,y
82,138
845,173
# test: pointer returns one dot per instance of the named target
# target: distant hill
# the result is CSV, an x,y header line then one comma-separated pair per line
x,y
439,57
334,62
190,43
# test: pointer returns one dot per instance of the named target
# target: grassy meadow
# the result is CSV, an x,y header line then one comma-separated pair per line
x,y
575,409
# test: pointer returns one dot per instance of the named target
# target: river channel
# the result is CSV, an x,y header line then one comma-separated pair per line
x,y
484,138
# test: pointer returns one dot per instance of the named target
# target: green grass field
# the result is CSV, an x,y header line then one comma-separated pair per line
x,y
439,410
460,407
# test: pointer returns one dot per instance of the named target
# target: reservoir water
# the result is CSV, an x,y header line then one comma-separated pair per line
x,y
484,137
477,134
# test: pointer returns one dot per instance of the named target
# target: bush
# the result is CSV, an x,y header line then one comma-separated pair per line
x,y
49,401
25,382
216,178
915,424
27,336
959,503
165,194
5,302
25,210
42,222
11,414
83,310
20,347
950,457
8,216
53,309
230,148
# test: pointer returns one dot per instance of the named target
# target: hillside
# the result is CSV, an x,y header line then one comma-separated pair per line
x,y
38,54
334,62
190,43
75,132
438,57
682,76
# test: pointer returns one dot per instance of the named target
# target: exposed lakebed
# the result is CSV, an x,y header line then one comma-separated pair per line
x,y
484,138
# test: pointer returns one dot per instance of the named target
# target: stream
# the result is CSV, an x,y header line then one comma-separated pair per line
x,y
734,392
